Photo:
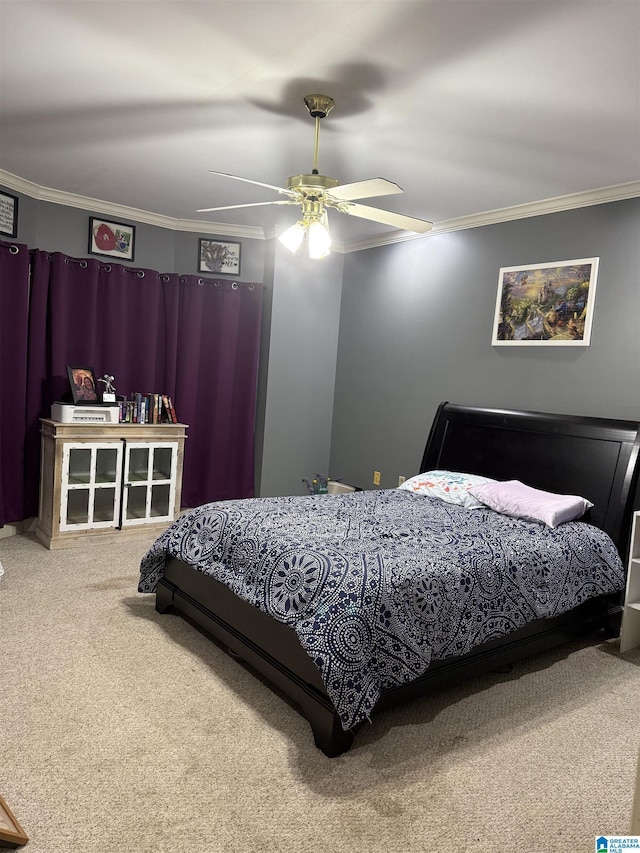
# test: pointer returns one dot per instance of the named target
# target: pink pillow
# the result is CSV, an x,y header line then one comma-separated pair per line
x,y
515,499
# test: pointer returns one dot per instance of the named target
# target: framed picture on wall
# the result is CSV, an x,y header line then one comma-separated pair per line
x,y
84,388
114,239
548,304
8,215
215,256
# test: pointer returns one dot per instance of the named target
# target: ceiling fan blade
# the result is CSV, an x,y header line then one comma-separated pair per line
x,y
386,217
364,189
234,206
257,183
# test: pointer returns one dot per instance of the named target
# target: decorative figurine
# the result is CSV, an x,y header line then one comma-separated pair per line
x,y
109,393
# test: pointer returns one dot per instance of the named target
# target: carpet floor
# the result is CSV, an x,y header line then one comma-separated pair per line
x,y
124,730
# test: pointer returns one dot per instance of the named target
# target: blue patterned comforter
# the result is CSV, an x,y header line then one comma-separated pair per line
x,y
377,584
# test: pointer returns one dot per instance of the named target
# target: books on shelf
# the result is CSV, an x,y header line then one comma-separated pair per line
x,y
147,409
168,409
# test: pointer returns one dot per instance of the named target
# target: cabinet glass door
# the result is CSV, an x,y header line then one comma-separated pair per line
x,y
149,482
90,493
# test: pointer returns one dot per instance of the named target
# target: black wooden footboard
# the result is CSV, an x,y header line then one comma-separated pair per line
x,y
273,649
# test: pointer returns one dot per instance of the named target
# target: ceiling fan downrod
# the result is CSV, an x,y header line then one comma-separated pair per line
x,y
319,107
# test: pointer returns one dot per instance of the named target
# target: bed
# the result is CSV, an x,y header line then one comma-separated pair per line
x,y
330,598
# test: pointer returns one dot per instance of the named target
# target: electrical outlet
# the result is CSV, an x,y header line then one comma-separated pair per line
x,y
401,479
376,478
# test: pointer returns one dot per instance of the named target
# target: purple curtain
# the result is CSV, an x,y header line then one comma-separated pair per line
x,y
192,338
218,329
14,307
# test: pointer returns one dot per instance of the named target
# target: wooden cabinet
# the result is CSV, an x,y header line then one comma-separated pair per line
x,y
630,630
107,480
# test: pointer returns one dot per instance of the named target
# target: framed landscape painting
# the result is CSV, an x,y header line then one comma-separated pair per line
x,y
548,304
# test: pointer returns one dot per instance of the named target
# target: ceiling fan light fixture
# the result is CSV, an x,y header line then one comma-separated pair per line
x,y
293,237
315,227
319,239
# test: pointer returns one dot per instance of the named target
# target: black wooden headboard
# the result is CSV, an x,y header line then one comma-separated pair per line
x,y
597,458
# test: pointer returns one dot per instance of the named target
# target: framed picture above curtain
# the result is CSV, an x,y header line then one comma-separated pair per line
x,y
114,239
548,304
215,256
8,215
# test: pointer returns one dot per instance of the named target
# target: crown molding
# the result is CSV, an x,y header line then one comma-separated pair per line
x,y
219,229
588,198
118,211
603,195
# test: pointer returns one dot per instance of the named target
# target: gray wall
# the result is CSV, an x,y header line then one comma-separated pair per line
x,y
58,228
416,324
298,379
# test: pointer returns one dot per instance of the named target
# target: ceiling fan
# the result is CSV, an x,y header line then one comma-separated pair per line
x,y
315,193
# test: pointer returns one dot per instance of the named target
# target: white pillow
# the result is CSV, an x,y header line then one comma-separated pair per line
x,y
450,486
517,500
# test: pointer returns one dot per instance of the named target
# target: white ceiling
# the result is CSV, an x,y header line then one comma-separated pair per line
x,y
469,105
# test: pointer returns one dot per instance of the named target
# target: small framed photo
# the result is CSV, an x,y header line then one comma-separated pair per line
x,y
215,256
11,833
8,214
84,388
549,304
114,239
